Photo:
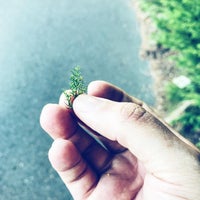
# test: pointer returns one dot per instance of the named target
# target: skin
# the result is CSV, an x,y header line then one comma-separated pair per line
x,y
142,157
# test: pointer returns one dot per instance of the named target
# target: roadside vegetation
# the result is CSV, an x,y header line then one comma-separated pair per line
x,y
178,30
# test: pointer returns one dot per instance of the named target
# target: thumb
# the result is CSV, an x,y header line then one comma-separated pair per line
x,y
133,127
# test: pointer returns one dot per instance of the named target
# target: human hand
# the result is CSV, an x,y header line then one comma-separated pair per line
x,y
143,158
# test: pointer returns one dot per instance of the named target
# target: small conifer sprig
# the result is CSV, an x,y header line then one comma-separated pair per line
x,y
76,86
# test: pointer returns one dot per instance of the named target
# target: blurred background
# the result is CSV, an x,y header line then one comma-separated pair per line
x,y
40,42
175,61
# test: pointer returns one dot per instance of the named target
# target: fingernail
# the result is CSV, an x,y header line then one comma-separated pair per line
x,y
86,103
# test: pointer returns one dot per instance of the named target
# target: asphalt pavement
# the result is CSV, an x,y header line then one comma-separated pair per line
x,y
40,42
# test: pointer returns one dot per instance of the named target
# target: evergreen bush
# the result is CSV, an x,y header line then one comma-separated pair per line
x,y
178,29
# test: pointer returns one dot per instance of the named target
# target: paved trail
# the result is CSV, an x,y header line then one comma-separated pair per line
x,y
40,41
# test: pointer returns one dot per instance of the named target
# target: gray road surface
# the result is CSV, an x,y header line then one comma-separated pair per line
x,y
40,41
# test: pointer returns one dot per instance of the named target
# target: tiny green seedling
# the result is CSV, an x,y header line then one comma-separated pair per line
x,y
76,86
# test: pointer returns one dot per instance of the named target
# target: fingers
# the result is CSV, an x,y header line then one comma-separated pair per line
x,y
116,121
133,127
108,91
105,90
75,172
59,123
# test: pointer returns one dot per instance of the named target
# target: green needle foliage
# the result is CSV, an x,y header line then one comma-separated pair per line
x,y
76,85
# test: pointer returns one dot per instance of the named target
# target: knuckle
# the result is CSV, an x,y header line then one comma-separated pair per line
x,y
134,112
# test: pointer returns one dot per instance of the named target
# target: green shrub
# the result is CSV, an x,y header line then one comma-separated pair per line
x,y
189,123
178,29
